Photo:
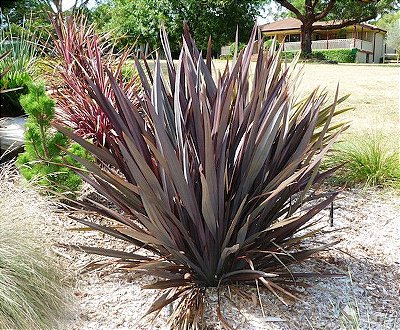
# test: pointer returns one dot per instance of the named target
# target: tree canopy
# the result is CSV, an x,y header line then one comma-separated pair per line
x,y
344,9
139,20
386,21
16,10
393,37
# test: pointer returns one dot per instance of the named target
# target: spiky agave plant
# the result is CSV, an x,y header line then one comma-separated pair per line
x,y
214,173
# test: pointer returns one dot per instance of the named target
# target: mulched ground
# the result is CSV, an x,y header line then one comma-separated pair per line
x,y
367,297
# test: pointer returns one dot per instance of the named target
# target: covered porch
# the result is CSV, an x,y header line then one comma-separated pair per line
x,y
332,44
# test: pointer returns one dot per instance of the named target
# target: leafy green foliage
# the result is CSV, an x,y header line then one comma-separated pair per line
x,y
269,42
43,158
366,161
138,22
240,47
345,9
387,20
16,11
213,174
393,37
134,21
334,55
354,9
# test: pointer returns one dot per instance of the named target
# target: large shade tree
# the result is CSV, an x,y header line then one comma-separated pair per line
x,y
139,21
341,13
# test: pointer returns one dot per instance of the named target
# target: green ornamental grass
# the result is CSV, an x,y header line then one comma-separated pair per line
x,y
368,161
32,287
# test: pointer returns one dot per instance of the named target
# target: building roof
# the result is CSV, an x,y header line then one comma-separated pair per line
x,y
285,24
372,27
295,24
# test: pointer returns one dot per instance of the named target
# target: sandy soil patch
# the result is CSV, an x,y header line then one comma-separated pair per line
x,y
366,298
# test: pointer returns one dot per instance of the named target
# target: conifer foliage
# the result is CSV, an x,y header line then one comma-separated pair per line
x,y
43,159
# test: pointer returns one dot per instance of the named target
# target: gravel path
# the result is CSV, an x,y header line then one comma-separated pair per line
x,y
366,298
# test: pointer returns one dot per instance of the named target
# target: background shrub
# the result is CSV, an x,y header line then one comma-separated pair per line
x,y
268,43
225,57
241,46
334,55
289,54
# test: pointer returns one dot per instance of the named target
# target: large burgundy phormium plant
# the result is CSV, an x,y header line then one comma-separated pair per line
x,y
215,171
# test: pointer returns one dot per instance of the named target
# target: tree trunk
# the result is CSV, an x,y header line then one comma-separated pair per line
x,y
306,39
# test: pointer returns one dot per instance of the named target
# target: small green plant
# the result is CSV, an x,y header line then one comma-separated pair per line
x,y
268,43
367,161
43,157
350,314
225,57
3,70
240,47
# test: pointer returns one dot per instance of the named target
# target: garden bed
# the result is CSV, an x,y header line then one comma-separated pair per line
x,y
365,297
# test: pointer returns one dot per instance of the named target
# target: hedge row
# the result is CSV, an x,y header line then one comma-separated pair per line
x,y
335,55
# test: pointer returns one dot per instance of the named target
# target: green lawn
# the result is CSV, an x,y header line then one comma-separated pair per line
x,y
374,94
